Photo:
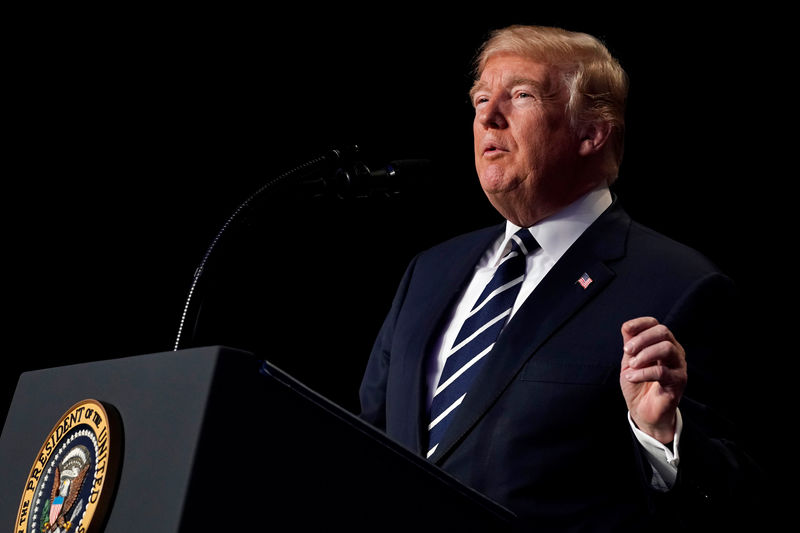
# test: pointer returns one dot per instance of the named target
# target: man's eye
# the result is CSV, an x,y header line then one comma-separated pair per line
x,y
524,95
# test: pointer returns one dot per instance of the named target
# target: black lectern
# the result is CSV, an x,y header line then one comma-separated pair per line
x,y
215,440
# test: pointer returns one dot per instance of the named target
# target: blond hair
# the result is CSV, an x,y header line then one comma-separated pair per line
x,y
597,84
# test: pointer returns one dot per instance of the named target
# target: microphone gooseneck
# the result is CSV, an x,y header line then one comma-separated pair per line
x,y
330,174
326,159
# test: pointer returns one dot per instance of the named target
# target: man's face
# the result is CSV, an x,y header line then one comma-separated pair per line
x,y
526,153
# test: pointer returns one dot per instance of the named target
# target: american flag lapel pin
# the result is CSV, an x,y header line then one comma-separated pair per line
x,y
584,280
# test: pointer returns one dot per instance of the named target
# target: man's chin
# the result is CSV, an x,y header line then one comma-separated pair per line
x,y
496,182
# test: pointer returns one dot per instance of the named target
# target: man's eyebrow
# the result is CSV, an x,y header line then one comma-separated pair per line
x,y
477,86
538,86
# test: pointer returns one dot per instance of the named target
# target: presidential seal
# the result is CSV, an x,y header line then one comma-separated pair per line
x,y
74,475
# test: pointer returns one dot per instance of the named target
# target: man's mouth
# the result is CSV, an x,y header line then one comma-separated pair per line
x,y
493,148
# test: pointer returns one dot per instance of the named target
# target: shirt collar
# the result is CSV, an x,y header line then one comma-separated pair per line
x,y
556,233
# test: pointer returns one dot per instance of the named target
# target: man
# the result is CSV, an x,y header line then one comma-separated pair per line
x,y
575,416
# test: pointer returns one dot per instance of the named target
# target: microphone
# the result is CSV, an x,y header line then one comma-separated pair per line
x,y
358,181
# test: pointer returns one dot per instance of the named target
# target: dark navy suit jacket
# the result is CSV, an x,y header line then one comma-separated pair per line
x,y
544,429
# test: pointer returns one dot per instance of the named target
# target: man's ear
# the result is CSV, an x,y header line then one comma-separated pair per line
x,y
593,136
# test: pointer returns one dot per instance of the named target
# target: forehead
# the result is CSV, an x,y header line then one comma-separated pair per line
x,y
505,69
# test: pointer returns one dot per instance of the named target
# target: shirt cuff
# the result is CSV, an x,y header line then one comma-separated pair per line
x,y
663,459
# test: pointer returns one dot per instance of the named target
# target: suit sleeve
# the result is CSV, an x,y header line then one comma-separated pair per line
x,y
719,483
372,392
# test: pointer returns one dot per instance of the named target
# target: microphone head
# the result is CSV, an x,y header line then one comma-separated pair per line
x,y
410,167
398,175
350,178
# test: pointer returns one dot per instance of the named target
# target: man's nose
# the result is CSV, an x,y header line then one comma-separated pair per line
x,y
491,114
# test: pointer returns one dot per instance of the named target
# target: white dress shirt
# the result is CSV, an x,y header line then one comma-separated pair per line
x,y
555,234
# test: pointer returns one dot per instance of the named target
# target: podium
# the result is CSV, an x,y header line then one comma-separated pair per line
x,y
214,439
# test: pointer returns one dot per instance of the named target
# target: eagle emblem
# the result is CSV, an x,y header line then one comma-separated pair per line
x,y
71,483
67,482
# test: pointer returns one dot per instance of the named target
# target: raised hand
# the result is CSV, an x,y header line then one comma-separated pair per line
x,y
652,376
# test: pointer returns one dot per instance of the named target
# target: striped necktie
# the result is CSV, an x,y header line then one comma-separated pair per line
x,y
477,335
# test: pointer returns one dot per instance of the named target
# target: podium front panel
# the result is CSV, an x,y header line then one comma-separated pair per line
x,y
214,438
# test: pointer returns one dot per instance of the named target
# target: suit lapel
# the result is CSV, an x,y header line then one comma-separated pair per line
x,y
555,300
438,296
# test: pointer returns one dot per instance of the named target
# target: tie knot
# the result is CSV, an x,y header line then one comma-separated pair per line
x,y
524,242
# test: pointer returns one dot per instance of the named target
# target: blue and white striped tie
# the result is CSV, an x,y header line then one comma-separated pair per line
x,y
477,335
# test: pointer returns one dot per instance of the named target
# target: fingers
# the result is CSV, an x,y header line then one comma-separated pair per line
x,y
633,327
653,376
651,350
659,373
653,345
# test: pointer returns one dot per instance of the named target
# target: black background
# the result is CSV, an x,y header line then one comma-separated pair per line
x,y
135,133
